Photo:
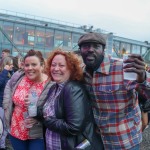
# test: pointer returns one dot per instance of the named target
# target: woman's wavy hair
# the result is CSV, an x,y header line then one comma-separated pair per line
x,y
73,64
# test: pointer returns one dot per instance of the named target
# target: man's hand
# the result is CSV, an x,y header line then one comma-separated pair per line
x,y
29,122
136,64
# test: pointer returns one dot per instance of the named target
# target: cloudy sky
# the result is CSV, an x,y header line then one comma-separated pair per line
x,y
125,18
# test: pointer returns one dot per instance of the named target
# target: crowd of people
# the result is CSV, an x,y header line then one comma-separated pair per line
x,y
82,100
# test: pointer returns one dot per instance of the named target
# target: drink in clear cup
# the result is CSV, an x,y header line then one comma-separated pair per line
x,y
32,108
83,145
128,75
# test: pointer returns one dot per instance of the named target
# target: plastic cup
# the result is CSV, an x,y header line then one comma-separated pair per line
x,y
32,110
128,75
83,145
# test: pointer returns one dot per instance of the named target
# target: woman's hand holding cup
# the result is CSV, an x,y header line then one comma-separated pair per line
x,y
26,101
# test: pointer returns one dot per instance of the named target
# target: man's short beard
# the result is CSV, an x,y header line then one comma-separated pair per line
x,y
90,67
96,65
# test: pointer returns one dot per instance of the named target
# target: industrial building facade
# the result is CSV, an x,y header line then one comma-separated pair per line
x,y
21,32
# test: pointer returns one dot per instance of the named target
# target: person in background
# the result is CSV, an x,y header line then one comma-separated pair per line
x,y
6,71
114,99
145,107
20,62
144,110
5,53
16,100
15,63
67,113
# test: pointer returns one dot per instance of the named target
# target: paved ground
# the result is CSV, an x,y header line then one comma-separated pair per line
x,y
145,145
8,145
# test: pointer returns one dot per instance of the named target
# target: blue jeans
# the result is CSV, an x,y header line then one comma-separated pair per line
x,y
31,144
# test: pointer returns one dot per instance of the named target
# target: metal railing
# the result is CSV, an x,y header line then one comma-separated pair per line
x,y
24,17
29,17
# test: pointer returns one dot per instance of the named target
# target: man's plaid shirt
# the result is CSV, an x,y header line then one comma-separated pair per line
x,y
115,105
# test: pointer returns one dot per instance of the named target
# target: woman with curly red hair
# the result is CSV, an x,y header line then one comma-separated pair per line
x,y
67,113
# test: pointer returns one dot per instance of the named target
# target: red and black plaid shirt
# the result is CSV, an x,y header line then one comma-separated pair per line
x,y
115,104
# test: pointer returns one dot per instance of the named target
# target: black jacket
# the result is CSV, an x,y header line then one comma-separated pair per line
x,y
74,119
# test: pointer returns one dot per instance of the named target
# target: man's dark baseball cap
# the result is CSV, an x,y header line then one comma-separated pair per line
x,y
92,37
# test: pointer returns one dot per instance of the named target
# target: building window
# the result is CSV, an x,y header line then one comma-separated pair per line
x,y
8,28
49,37
67,40
125,48
75,38
143,50
147,57
15,52
109,43
40,37
29,35
116,45
128,48
116,49
135,49
19,33
58,42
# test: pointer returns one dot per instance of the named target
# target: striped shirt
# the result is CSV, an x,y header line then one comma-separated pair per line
x,y
52,138
115,105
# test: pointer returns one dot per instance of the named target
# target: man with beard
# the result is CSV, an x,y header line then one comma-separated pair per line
x,y
114,99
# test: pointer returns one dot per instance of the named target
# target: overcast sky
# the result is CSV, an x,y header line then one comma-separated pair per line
x,y
125,18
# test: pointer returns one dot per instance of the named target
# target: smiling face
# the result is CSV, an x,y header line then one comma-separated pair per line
x,y
92,54
33,68
59,69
